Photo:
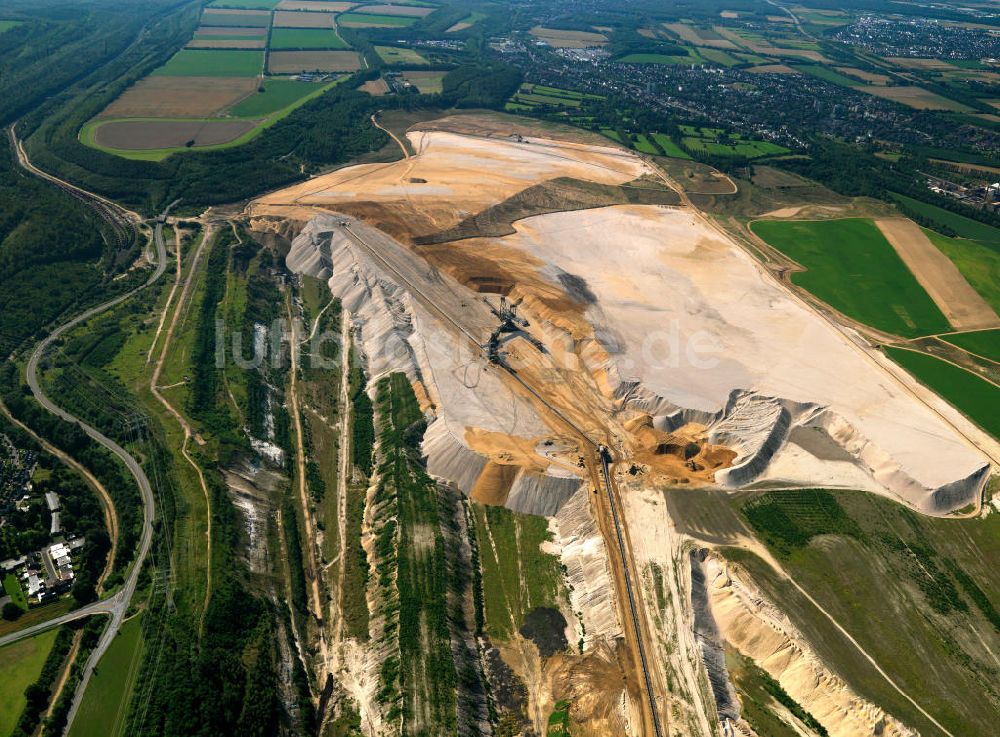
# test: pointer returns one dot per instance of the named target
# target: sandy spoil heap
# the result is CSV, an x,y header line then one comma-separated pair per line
x,y
450,177
693,331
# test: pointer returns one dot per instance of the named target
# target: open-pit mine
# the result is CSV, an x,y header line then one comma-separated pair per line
x,y
581,342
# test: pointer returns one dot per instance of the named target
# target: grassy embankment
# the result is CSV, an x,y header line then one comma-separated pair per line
x,y
857,553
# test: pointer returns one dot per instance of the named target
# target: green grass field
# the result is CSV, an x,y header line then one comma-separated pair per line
x,y
658,59
277,94
976,398
244,4
105,703
644,145
517,576
20,665
827,74
963,226
394,55
255,19
305,38
14,590
376,20
669,147
719,57
749,149
984,343
212,63
978,262
853,268
6,25
612,134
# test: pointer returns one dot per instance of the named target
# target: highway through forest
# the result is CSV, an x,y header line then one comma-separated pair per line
x,y
117,605
636,615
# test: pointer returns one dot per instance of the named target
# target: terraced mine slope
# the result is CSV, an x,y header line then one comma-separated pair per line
x,y
640,349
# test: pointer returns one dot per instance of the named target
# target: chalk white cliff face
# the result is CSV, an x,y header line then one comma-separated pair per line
x,y
396,333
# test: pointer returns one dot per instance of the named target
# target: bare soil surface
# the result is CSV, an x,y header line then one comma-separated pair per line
x,y
181,97
961,304
146,135
291,62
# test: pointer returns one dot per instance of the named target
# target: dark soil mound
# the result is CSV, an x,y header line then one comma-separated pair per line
x,y
547,629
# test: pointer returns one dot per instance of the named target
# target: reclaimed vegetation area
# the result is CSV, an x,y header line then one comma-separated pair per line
x,y
853,551
764,700
418,683
517,577
852,267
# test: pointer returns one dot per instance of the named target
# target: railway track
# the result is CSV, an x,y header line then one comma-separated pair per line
x,y
122,225
602,451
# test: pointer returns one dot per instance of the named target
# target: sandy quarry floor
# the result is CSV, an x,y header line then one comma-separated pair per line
x,y
691,317
961,304
451,176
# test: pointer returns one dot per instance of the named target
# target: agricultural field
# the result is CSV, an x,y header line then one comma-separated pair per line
x,y
400,56
415,11
853,268
428,83
214,94
318,5
293,19
669,59
669,147
517,576
277,95
364,20
20,665
180,97
643,145
292,62
978,262
226,43
236,18
305,38
560,39
715,142
917,97
244,4
975,397
467,22
103,709
534,95
210,63
156,134
6,25
985,343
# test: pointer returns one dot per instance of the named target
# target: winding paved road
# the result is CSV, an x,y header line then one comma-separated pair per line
x,y
117,605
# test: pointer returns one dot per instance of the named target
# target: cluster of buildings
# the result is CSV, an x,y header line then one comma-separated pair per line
x,y
983,197
47,573
920,38
16,469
